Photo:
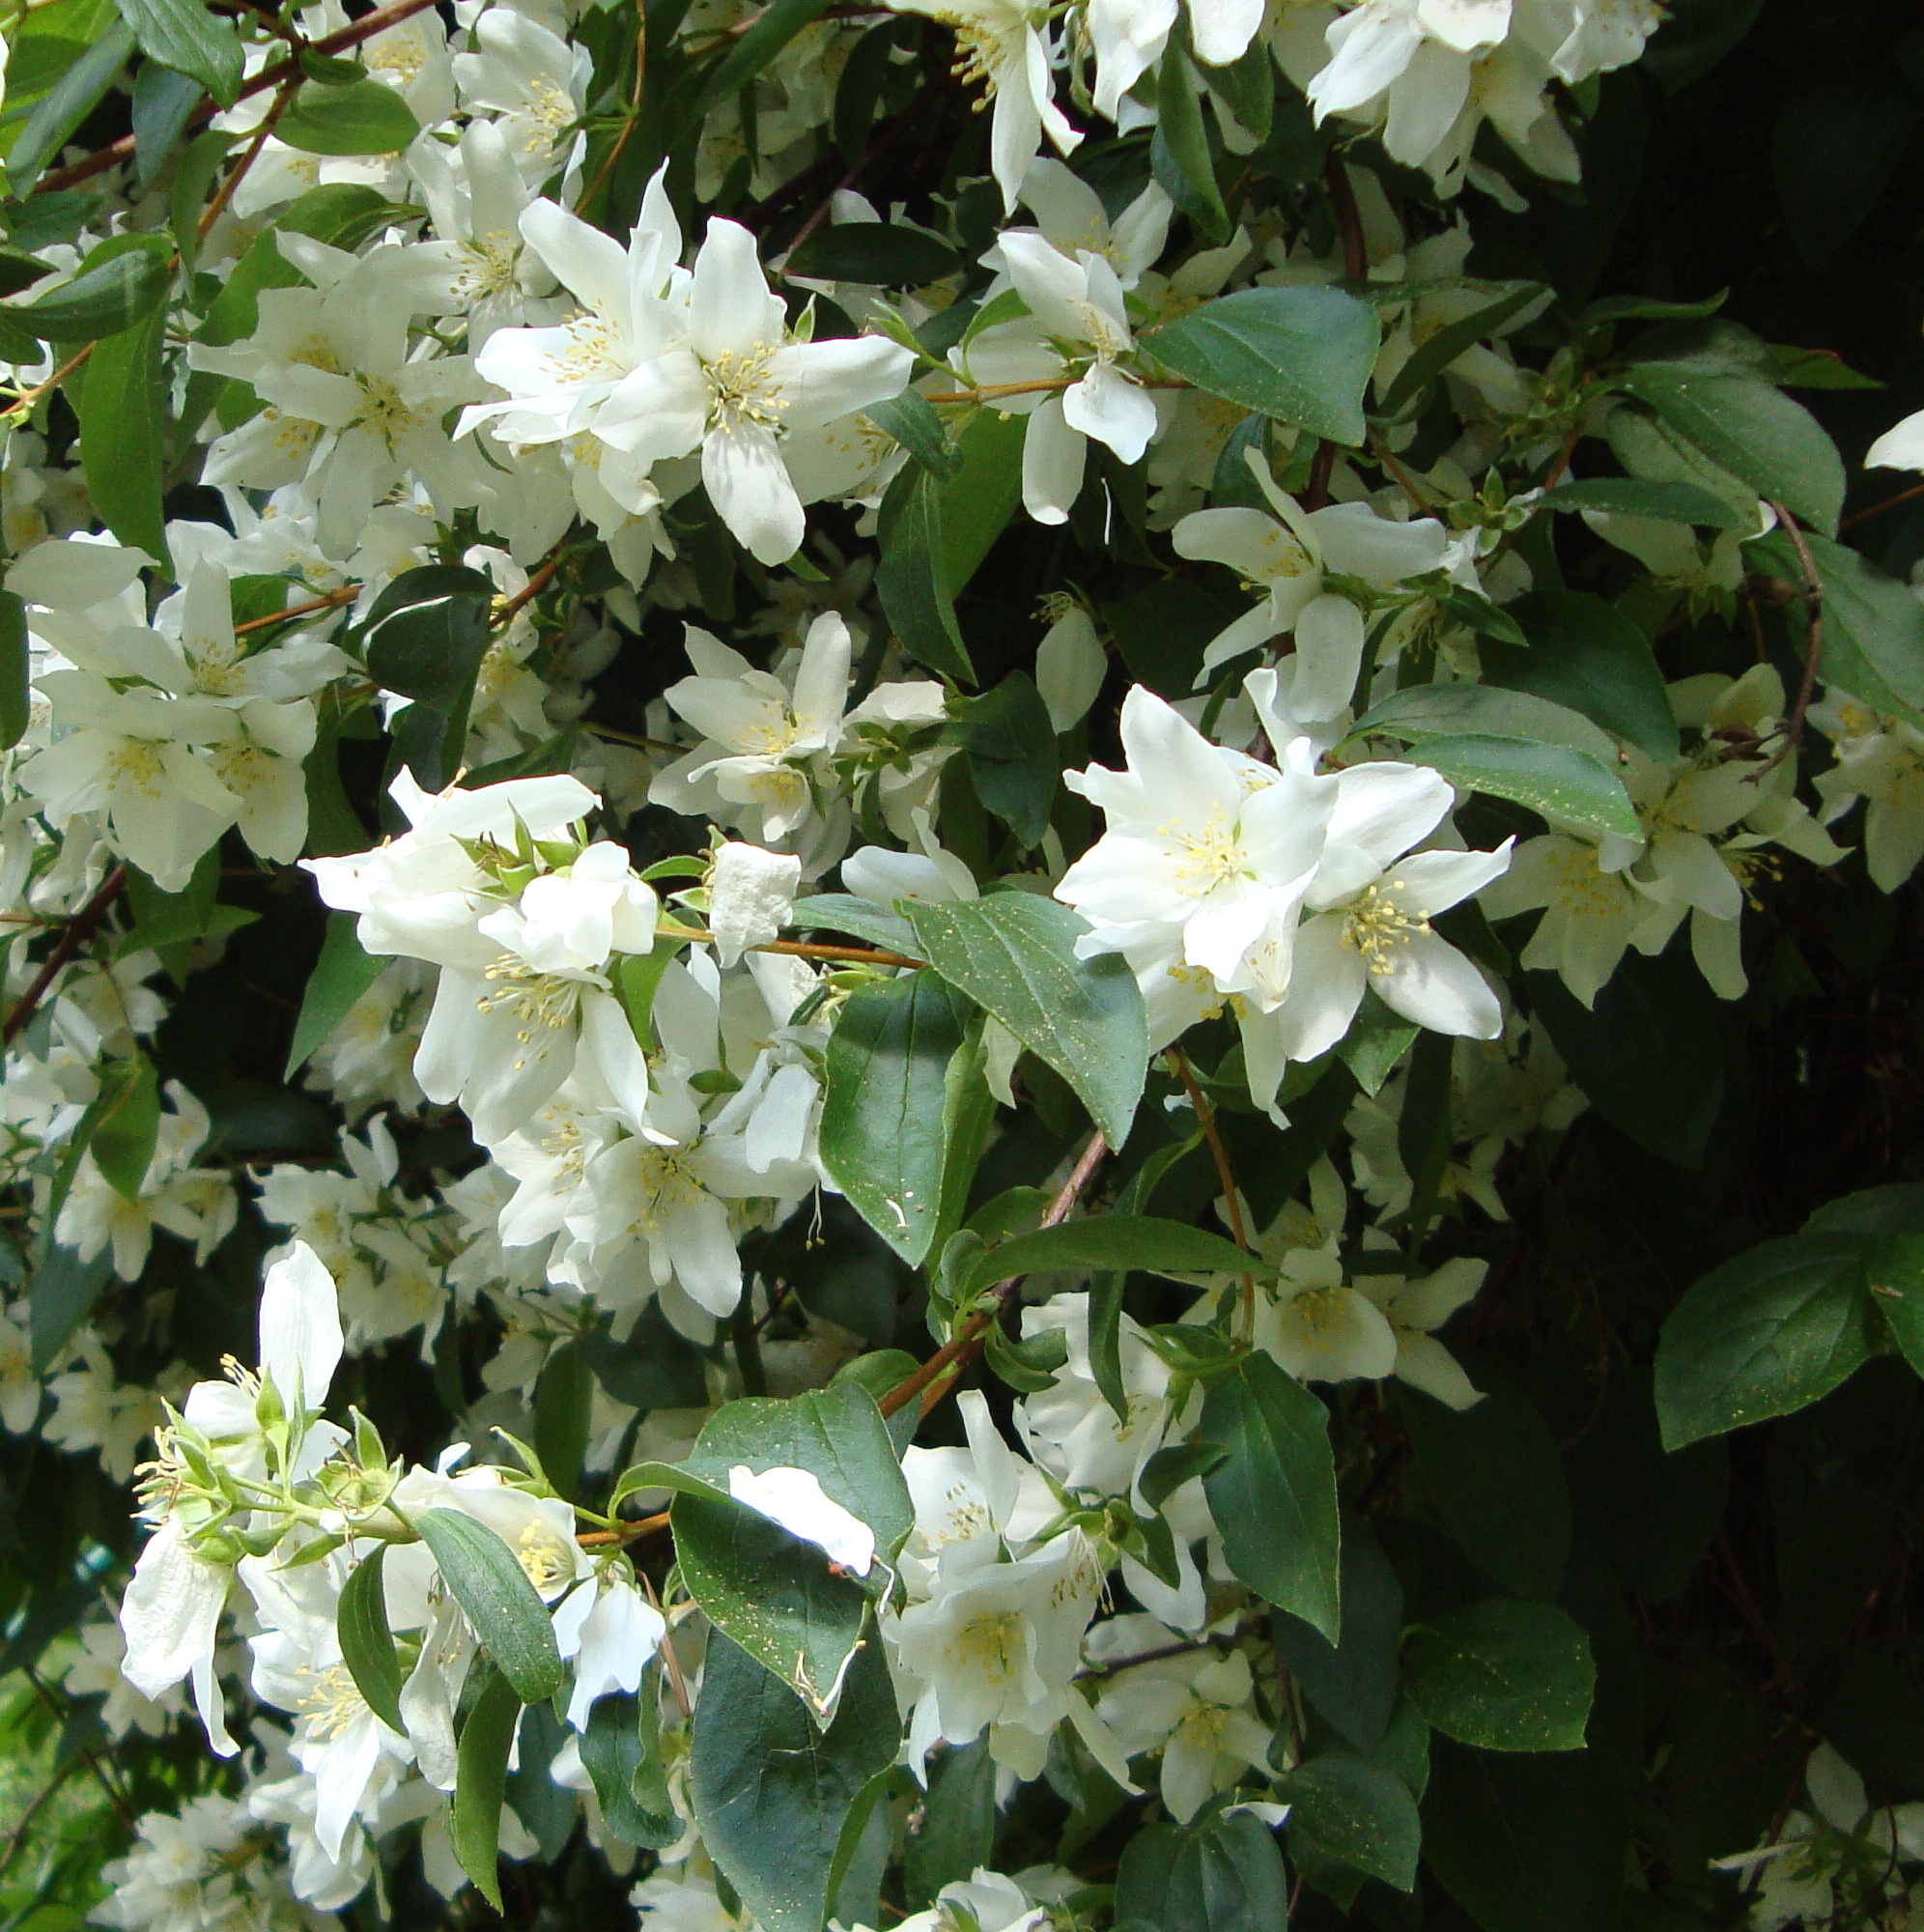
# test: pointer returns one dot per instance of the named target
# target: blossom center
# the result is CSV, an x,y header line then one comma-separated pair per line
x,y
332,1703
742,389
1378,924
1211,853
548,1560
992,1643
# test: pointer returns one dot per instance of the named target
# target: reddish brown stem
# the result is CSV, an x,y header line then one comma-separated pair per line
x,y
79,929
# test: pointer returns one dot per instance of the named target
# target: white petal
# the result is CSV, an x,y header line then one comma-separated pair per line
x,y
795,1499
1432,983
301,1328
1052,463
750,487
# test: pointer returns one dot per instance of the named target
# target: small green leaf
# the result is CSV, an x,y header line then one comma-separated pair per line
x,y
1422,711
913,579
61,110
123,407
123,1137
341,975
1561,783
1013,953
367,1645
425,638
1587,656
616,1754
1180,152
163,102
62,1293
1441,350
185,36
1755,432
956,1829
562,1394
915,426
1301,354
481,1781
1502,1675
123,280
1637,496
1273,1495
1355,1682
979,500
15,698
1770,1331
492,1589
1012,749
362,118
1222,1874
1351,1811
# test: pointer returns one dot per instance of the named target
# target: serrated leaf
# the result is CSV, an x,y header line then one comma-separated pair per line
x,y
367,1645
1301,354
1770,1331
1502,1675
494,1593
1013,953
1273,1495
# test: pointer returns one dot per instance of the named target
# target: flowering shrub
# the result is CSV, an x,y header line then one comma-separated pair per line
x,y
959,966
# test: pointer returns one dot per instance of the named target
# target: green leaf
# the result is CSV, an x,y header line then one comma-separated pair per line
x,y
654,1368
1561,783
15,698
1497,1480
185,36
1502,1675
1013,953
123,1136
771,1593
955,1832
1422,711
1301,354
1586,656
123,409
1770,1331
1350,1811
913,580
878,254
1355,1683
163,102
773,30
860,919
362,118
481,1780
123,281
1894,1272
914,423
1220,1875
64,1290
367,1645
979,500
1639,496
425,638
884,1089
772,1790
1274,1494
562,1394
61,110
492,1589
1104,1241
341,975
1442,349
616,1754
1011,751
1873,622
1756,432
1180,152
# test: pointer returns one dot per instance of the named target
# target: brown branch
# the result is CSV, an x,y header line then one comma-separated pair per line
x,y
351,36
955,1356
79,928
629,1532
237,173
528,591
799,948
28,397
1864,516
1205,1119
333,601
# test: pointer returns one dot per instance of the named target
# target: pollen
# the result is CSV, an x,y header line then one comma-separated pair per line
x,y
1378,924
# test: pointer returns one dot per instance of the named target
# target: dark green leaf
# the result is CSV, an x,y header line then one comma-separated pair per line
x,y
980,498
15,698
123,1136
367,1645
862,919
1011,749
1637,496
1873,622
1274,1494
1442,349
185,36
362,118
1180,152
1350,1811
1502,1675
884,1090
163,101
772,1790
425,638
1563,784
61,110
563,1395
652,1367
1118,1242
123,409
492,1589
615,1754
1585,655
1220,1875
481,1781
879,254
341,975
1355,1683
1753,431
1013,953
123,280
956,1830
62,1295
913,580
915,426
1771,1330
1301,354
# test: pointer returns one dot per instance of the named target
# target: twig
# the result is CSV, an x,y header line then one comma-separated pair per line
x,y
1864,516
237,173
1813,603
350,36
1383,454
956,1355
676,1681
629,1532
799,948
528,591
28,397
988,392
79,928
628,126
333,601
1205,1119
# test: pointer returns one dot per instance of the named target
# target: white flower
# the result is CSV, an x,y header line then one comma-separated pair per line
x,y
169,1617
794,1498
1880,761
617,1636
1413,1309
1196,1709
751,897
